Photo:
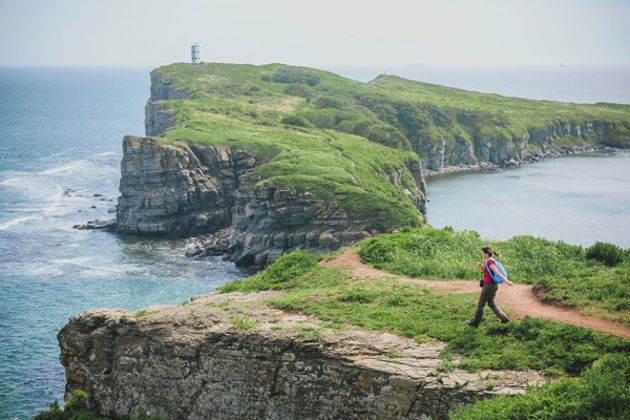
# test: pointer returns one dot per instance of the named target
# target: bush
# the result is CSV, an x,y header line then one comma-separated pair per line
x,y
297,121
291,75
609,254
303,91
330,102
603,392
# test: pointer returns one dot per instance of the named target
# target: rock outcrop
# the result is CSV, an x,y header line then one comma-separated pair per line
x,y
204,360
187,190
157,120
460,155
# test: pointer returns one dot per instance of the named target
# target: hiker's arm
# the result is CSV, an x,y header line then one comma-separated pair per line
x,y
480,265
498,273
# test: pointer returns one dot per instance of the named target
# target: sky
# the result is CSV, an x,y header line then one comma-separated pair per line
x,y
317,32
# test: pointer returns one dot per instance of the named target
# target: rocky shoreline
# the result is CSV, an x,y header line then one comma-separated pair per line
x,y
528,157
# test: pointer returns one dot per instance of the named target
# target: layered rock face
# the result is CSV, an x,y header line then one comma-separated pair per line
x,y
157,120
459,154
192,362
177,190
187,190
181,190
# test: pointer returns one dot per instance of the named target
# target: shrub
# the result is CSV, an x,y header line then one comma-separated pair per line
x,y
609,254
297,121
330,102
322,118
303,91
292,75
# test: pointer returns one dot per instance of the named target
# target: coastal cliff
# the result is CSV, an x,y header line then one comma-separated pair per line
x,y
214,363
274,158
459,155
182,190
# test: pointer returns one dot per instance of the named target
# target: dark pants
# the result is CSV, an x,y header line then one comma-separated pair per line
x,y
487,296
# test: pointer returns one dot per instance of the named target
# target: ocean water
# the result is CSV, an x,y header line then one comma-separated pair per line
x,y
60,144
579,199
61,132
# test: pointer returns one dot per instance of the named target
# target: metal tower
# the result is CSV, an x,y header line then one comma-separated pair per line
x,y
194,53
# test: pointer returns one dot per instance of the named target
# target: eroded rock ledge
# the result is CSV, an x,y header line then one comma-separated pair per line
x,y
232,356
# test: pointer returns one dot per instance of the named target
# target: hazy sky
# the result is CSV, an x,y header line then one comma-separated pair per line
x,y
316,32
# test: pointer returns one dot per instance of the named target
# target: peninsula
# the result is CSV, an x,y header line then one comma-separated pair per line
x,y
275,158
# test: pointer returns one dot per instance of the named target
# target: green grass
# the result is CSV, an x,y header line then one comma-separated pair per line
x,y
562,268
242,323
602,392
351,143
332,166
412,311
143,312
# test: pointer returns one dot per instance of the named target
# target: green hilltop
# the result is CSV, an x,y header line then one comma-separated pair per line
x,y
341,139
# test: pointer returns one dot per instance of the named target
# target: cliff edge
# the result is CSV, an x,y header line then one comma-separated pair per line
x,y
232,356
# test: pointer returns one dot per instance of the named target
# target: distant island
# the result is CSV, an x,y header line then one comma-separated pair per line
x,y
274,158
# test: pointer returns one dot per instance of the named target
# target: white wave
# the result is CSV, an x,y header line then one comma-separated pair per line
x,y
18,221
44,194
69,167
89,266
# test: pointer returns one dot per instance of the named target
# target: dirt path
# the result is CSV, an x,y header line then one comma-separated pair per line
x,y
519,297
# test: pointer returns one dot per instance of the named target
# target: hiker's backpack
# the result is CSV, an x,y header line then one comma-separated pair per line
x,y
499,267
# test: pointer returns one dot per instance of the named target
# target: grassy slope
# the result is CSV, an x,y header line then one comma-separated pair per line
x,y
232,106
314,137
562,268
412,311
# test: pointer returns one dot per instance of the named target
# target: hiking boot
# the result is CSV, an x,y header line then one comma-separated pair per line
x,y
505,321
470,324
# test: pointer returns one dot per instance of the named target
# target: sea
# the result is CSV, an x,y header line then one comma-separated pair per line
x,y
61,133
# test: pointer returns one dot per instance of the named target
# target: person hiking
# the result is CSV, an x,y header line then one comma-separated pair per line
x,y
489,288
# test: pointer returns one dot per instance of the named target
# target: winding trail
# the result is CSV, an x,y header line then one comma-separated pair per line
x,y
519,298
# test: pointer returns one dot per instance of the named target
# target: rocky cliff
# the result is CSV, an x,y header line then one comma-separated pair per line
x,y
276,157
232,356
186,190
458,154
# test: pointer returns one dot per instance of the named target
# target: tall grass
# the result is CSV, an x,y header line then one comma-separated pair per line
x,y
562,268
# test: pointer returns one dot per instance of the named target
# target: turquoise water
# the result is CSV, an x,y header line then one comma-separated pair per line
x,y
578,199
61,131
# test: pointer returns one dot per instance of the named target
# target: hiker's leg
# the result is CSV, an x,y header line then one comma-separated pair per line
x,y
483,298
495,308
